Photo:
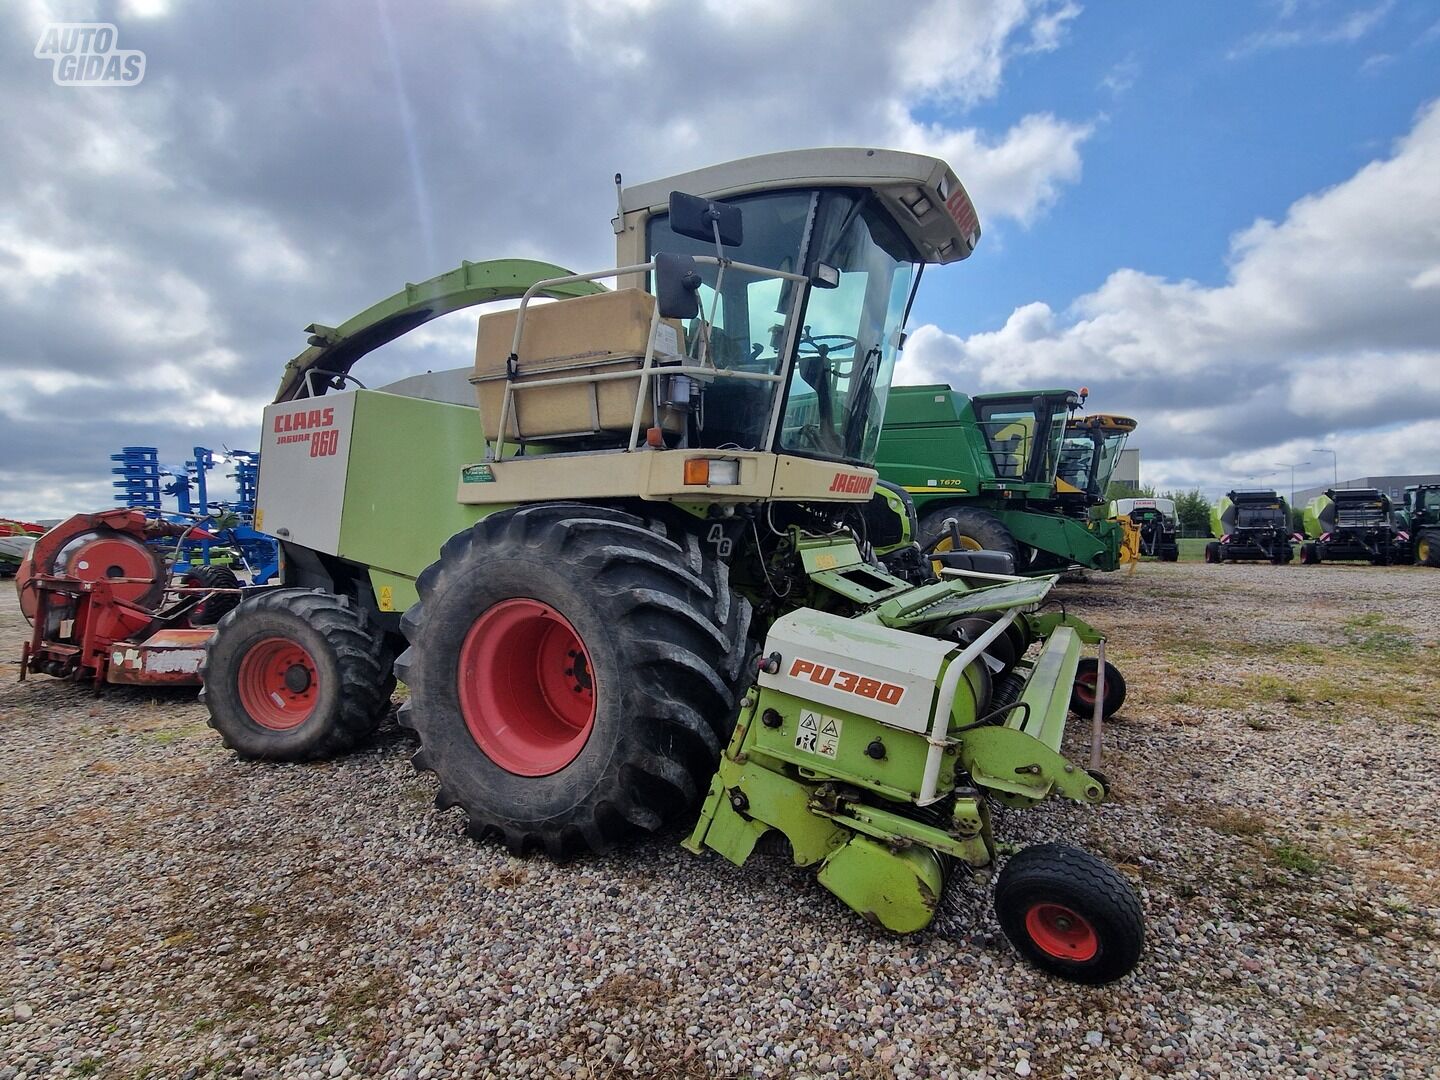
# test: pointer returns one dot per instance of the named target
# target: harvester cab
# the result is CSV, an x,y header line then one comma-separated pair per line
x,y
1155,522
1418,522
1251,525
1347,524
1088,459
635,563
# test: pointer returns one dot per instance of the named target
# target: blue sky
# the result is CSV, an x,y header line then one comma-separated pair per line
x,y
1200,126
1223,217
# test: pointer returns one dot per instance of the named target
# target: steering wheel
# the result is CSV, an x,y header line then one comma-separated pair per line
x,y
822,345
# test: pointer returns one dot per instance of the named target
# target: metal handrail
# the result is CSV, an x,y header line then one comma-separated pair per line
x,y
645,373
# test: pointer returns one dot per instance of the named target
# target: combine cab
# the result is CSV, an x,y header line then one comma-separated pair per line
x,y
1352,524
1016,473
1251,525
1156,524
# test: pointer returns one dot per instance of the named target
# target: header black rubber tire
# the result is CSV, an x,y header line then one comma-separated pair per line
x,y
211,609
350,657
978,525
667,642
1061,874
1115,689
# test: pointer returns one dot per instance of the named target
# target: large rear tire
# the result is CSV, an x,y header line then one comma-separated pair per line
x,y
295,675
1427,548
979,530
574,673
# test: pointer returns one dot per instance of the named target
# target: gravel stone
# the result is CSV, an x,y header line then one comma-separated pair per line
x,y
170,910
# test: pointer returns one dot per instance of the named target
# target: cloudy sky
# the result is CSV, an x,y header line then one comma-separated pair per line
x,y
1221,216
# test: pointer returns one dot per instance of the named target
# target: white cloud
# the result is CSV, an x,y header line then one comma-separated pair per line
x,y
1327,324
165,245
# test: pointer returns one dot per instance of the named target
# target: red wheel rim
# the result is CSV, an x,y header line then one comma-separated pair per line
x,y
527,687
1085,686
1061,932
279,684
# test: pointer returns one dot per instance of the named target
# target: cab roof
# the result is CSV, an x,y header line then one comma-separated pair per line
x,y
1101,422
924,196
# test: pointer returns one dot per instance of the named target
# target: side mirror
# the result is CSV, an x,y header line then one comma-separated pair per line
x,y
696,218
677,286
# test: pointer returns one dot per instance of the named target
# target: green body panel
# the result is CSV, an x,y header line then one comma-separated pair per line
x,y
1311,516
1091,543
933,446
896,776
898,889
400,503
943,602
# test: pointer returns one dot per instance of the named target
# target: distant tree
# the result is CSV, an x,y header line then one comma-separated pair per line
x,y
1193,510
1126,491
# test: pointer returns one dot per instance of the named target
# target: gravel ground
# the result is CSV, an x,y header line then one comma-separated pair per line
x,y
167,910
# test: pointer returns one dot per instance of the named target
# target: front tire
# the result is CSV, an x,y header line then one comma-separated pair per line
x,y
979,530
1070,913
295,675
574,672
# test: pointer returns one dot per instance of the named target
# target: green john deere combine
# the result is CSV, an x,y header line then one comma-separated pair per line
x,y
1251,525
1418,520
645,569
1017,473
1352,524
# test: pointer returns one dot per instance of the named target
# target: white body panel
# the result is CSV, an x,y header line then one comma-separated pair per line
x,y
304,456
886,675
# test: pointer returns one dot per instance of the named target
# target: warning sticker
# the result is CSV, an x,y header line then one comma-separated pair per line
x,y
818,733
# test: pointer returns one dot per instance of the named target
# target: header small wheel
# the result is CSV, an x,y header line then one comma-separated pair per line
x,y
1082,697
1070,913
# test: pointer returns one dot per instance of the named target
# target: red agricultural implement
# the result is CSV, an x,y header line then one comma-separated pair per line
x,y
102,607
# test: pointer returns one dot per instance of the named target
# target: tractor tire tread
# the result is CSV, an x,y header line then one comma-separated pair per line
x,y
360,657
685,639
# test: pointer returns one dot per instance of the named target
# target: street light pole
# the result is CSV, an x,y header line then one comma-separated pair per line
x,y
1292,466
1334,460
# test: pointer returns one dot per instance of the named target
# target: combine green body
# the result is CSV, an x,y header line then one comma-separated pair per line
x,y
1000,455
1418,520
1352,524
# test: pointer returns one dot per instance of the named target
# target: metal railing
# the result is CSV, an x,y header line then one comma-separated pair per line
x,y
700,368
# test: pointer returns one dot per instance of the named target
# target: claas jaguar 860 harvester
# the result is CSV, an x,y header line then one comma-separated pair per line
x,y
634,565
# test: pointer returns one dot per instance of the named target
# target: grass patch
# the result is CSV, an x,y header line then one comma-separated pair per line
x,y
1228,820
1272,688
1370,633
1294,857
